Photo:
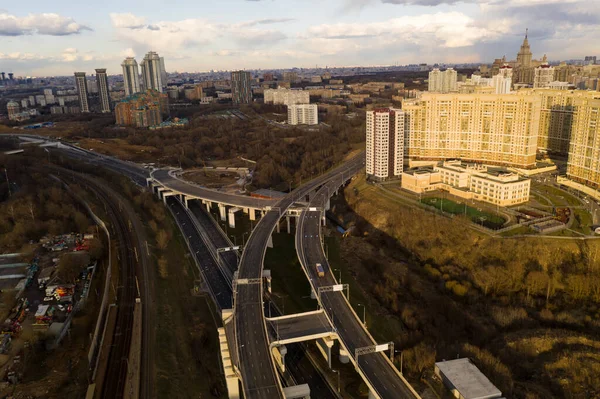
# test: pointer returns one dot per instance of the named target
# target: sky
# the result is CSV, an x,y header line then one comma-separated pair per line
x,y
42,38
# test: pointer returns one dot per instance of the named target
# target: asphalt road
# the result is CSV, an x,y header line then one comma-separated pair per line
x,y
259,379
376,367
243,201
217,283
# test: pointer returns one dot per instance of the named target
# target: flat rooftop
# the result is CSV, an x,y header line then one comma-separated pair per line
x,y
466,378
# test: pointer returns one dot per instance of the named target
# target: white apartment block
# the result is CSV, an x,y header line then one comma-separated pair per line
x,y
442,82
385,143
543,76
286,96
303,114
501,84
470,181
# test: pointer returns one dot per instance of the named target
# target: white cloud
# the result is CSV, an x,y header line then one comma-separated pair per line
x,y
17,56
42,24
70,54
128,52
443,29
127,21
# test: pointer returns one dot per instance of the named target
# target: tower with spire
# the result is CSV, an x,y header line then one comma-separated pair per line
x,y
524,56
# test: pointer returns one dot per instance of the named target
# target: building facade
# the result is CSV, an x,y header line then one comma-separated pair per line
x,y
583,165
81,84
303,114
442,82
286,96
543,76
469,181
13,110
385,143
499,129
152,72
131,76
241,91
143,109
102,81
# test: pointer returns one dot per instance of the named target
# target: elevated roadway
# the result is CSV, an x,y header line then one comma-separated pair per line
x,y
167,179
257,369
376,368
298,327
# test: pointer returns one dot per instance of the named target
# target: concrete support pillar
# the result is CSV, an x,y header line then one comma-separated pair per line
x,y
148,182
324,219
159,191
208,206
279,353
313,294
289,228
344,355
167,194
246,210
252,213
232,212
325,345
262,214
328,205
222,212
270,242
233,386
278,226
185,201
266,274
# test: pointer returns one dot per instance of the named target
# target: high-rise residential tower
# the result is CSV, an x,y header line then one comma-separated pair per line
x,y
131,76
80,83
152,73
241,93
442,82
102,82
385,143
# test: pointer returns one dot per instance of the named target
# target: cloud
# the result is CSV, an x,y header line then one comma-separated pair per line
x,y
127,21
444,29
70,54
17,56
175,37
41,24
266,21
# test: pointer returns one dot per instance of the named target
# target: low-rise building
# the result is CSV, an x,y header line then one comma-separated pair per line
x,y
469,181
465,381
286,96
303,114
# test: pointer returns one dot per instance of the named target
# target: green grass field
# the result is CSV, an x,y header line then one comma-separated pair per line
x,y
487,219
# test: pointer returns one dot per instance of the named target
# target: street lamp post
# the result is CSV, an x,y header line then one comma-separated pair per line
x,y
338,379
340,272
364,314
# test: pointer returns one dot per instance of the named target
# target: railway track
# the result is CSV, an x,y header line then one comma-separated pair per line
x,y
128,255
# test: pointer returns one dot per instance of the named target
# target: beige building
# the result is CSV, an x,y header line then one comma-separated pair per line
x,y
286,96
498,129
469,181
543,76
385,143
584,152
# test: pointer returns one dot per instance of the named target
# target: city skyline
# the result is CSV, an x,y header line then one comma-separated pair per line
x,y
59,39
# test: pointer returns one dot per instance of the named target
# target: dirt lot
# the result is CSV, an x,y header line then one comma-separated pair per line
x,y
119,148
212,179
